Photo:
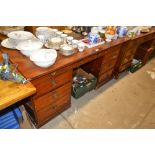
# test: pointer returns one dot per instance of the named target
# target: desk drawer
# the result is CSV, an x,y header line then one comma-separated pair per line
x,y
107,66
51,111
105,76
148,37
124,66
110,57
112,52
53,103
129,52
88,59
51,81
127,59
54,99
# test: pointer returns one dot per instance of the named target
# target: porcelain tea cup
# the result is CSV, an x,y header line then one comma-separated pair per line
x,y
81,47
75,43
69,40
63,37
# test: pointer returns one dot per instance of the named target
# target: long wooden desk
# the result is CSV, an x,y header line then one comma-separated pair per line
x,y
53,84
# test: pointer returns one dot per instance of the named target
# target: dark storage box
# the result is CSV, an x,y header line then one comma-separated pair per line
x,y
134,67
81,89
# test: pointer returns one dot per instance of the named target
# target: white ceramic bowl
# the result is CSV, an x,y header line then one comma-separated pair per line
x,y
44,57
28,46
20,35
109,36
16,37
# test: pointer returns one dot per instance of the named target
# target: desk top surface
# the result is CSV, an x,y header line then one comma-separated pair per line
x,y
31,71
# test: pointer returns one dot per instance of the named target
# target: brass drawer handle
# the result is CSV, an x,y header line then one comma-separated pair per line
x,y
53,74
53,82
115,56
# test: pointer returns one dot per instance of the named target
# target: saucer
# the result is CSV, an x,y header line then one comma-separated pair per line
x,y
7,44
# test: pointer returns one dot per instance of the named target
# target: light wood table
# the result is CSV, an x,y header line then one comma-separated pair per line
x,y
11,92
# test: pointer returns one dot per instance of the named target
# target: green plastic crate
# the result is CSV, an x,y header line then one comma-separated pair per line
x,y
81,89
135,67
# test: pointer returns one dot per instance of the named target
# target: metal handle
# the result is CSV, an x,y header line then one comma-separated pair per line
x,y
115,56
53,82
53,74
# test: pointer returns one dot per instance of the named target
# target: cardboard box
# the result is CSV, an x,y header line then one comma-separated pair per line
x,y
26,123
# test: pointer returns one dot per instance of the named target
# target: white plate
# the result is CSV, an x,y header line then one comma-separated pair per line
x,y
20,35
7,44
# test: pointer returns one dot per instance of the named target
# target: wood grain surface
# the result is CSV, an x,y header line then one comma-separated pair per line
x,y
11,92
